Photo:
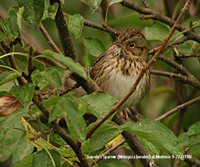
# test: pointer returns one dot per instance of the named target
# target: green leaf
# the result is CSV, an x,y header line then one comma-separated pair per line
x,y
194,129
27,161
66,61
7,76
20,153
75,24
156,32
24,94
196,48
9,136
185,140
49,10
33,10
69,108
46,158
94,46
94,4
105,133
101,103
151,149
156,133
52,75
14,20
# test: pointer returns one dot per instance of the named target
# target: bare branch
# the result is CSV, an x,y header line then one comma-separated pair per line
x,y
164,19
177,108
180,77
49,39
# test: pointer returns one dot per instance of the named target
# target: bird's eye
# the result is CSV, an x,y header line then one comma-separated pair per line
x,y
131,45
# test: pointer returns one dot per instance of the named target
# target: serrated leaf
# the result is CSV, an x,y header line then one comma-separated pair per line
x,y
68,107
101,103
23,94
66,61
7,76
156,32
156,133
105,133
94,46
75,24
33,10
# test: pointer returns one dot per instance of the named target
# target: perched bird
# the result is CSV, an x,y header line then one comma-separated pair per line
x,y
117,69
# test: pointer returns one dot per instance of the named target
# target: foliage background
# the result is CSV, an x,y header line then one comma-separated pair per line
x,y
165,92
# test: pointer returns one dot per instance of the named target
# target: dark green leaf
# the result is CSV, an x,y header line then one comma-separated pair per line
x,y
44,159
156,133
156,32
94,46
7,76
9,136
68,107
105,133
24,94
101,103
33,10
75,24
66,61
14,20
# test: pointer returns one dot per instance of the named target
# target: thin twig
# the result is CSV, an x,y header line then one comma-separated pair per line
x,y
98,26
62,133
177,108
108,151
180,77
151,62
49,39
182,55
159,17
